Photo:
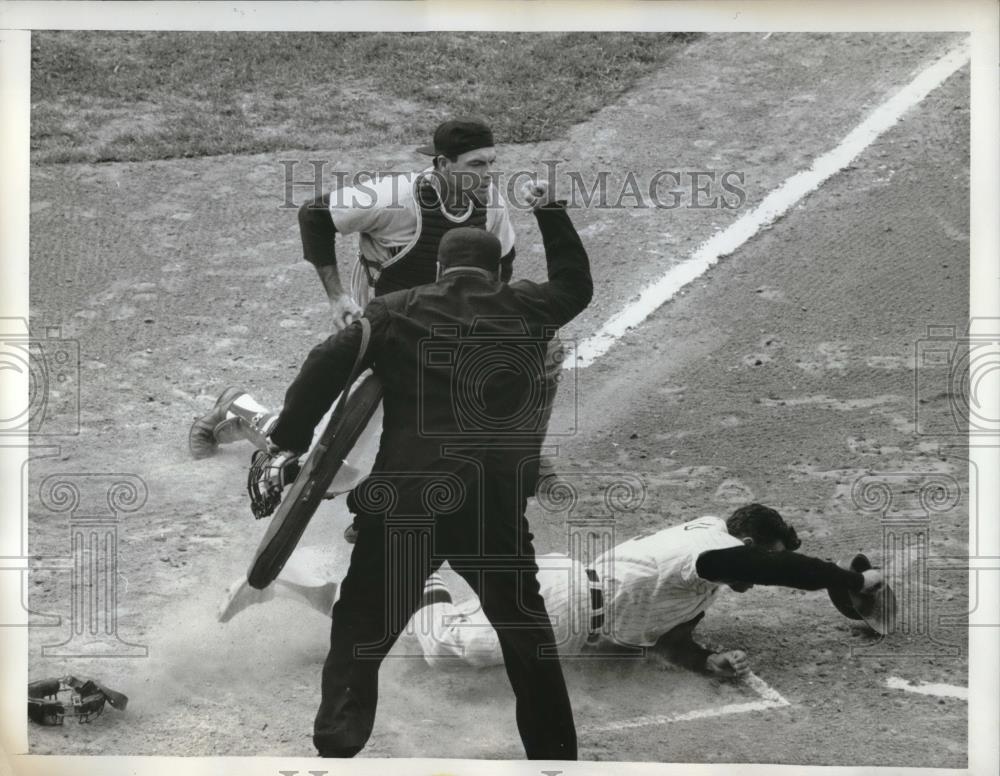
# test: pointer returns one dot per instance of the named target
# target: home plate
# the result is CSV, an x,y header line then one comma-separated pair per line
x,y
767,698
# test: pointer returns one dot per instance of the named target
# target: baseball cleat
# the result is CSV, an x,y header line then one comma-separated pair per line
x,y
210,429
239,596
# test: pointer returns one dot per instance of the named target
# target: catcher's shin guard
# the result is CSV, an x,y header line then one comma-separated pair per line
x,y
228,422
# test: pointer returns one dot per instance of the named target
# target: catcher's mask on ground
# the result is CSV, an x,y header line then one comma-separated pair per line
x,y
50,701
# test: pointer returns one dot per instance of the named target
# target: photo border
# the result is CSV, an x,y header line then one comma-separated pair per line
x,y
16,21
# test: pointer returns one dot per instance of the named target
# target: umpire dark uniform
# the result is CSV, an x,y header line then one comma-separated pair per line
x,y
462,366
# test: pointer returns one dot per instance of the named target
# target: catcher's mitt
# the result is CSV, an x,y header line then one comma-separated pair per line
x,y
878,609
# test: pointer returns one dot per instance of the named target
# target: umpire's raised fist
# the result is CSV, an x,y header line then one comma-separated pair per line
x,y
536,194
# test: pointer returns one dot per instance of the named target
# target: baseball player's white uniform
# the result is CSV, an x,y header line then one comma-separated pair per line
x,y
649,585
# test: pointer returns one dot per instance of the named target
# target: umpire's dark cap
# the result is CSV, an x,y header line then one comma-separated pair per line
x,y
458,136
468,246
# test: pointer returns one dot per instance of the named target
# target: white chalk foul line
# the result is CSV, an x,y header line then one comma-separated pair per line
x,y
764,690
774,205
939,690
769,699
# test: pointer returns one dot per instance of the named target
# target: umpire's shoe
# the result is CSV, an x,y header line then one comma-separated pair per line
x,y
235,416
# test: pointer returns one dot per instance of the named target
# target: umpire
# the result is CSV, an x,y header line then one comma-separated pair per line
x,y
462,366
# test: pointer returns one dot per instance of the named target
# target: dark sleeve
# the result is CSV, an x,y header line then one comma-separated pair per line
x,y
570,286
321,379
317,231
507,266
788,569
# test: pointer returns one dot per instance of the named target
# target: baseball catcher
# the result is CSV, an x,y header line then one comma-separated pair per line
x,y
400,220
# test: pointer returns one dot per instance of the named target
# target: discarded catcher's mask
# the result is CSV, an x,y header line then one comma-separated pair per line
x,y
50,701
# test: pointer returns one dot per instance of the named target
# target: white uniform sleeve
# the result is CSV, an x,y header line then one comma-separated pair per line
x,y
380,207
498,223
707,533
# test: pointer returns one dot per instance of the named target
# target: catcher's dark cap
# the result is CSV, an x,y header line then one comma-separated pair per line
x,y
468,246
458,136
877,609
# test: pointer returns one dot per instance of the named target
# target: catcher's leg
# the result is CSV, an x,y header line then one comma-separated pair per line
x,y
236,415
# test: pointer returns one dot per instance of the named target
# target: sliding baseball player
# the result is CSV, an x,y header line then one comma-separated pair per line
x,y
650,591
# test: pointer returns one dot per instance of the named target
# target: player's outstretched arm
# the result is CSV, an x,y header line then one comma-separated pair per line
x,y
318,247
788,569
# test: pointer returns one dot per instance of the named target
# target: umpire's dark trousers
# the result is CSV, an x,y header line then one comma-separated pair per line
x,y
392,558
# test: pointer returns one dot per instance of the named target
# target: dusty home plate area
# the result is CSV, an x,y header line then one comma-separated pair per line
x,y
784,374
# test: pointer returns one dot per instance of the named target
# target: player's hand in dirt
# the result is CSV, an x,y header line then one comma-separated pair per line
x,y
732,663
345,311
874,579
537,194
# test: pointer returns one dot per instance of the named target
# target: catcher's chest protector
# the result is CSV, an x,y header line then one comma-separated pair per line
x,y
419,264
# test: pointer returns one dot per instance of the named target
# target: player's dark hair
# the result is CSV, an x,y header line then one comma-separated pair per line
x,y
449,157
762,524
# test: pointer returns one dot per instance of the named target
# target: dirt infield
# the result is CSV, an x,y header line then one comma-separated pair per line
x,y
783,375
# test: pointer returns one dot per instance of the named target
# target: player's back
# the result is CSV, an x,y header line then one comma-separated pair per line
x,y
651,584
